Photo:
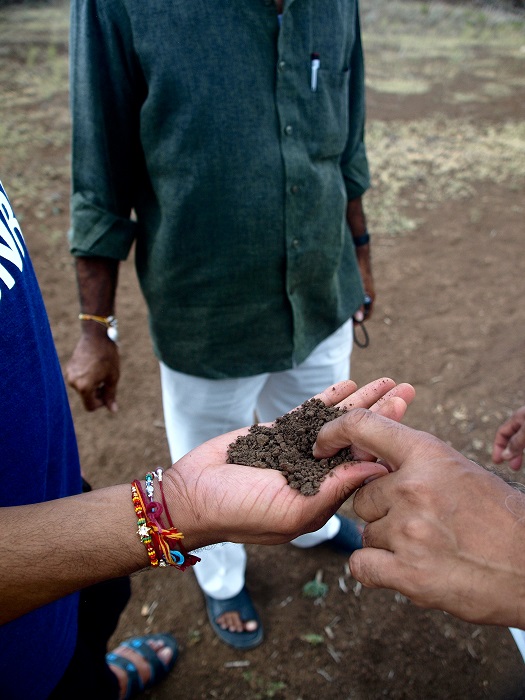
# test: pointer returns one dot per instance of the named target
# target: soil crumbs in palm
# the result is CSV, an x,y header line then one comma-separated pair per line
x,y
287,446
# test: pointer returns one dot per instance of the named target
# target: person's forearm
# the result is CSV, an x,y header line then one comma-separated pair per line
x,y
355,217
94,367
97,280
52,549
356,220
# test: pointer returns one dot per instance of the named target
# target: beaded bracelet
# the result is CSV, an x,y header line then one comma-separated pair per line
x,y
163,545
143,530
150,489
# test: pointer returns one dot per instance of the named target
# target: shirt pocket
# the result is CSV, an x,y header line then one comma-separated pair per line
x,y
328,114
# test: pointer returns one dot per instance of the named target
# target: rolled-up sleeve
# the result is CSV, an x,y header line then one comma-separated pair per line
x,y
354,161
106,90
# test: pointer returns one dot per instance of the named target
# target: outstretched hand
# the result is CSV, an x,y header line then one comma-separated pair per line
x,y
441,530
235,503
509,443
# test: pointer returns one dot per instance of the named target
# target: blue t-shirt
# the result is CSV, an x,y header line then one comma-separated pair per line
x,y
38,458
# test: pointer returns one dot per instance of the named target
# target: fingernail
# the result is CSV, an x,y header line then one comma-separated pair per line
x,y
507,454
359,316
372,478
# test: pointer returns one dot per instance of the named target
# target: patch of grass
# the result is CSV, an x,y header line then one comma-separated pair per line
x,y
34,112
411,47
405,53
436,160
263,687
313,639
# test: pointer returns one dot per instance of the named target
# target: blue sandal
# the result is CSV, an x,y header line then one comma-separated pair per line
x,y
241,603
348,539
159,669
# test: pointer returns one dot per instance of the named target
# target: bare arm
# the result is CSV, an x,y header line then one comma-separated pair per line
x,y
442,530
74,542
52,549
94,367
356,220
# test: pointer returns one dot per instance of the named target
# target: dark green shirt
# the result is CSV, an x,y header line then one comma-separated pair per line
x,y
199,116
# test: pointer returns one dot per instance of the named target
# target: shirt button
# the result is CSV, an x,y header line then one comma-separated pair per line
x,y
294,189
281,65
295,243
288,130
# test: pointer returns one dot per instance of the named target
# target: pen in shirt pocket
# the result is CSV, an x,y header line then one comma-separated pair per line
x,y
315,63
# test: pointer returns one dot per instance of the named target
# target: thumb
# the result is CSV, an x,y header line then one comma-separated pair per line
x,y
347,478
375,434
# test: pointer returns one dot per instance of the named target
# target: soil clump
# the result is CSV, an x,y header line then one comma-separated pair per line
x,y
287,446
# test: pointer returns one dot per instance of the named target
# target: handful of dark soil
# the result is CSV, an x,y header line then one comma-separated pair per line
x,y
287,446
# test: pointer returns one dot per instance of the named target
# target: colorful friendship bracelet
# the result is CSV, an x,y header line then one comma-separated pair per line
x,y
163,545
143,530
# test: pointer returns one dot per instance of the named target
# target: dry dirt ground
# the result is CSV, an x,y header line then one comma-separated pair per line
x,y
446,137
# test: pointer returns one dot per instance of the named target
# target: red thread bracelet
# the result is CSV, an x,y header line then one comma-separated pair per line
x,y
165,543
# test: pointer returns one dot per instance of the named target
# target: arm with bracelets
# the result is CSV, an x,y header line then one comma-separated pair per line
x,y
53,548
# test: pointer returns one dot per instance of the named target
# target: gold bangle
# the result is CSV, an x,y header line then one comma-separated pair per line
x,y
109,322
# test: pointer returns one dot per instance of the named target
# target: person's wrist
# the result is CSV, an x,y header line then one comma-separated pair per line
x,y
185,512
362,240
98,325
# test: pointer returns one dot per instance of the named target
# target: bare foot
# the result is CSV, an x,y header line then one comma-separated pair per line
x,y
232,622
142,665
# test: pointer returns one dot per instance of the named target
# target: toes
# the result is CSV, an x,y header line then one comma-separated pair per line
x,y
142,665
232,622
165,655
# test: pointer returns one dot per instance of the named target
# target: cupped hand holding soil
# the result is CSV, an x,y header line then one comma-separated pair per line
x,y
287,444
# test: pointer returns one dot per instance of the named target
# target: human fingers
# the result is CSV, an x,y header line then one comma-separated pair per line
x,y
419,579
250,505
89,389
509,442
287,513
109,394
516,462
344,480
95,398
378,435
373,567
378,396
345,394
394,408
334,394
403,391
427,538
93,371
97,387
368,394
392,405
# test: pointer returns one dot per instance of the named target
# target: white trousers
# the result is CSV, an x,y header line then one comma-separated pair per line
x,y
197,409
519,638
